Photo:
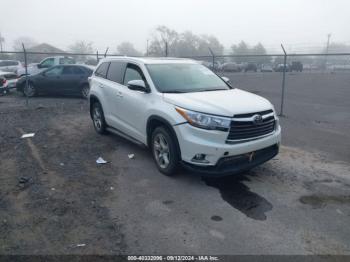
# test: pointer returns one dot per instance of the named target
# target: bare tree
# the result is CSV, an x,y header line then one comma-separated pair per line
x,y
81,47
27,41
127,48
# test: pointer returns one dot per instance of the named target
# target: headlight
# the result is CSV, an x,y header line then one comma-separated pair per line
x,y
205,121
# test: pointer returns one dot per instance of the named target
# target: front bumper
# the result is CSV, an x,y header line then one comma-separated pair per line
x,y
212,144
236,164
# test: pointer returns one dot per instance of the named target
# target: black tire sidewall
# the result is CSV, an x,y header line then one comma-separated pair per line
x,y
174,152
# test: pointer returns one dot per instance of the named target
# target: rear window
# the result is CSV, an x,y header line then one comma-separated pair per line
x,y
8,63
116,71
101,71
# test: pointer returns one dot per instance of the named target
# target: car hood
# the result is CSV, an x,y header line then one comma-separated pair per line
x,y
221,102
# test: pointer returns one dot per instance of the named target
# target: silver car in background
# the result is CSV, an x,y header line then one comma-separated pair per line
x,y
10,66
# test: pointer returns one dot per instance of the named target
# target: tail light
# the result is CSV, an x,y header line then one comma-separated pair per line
x,y
2,82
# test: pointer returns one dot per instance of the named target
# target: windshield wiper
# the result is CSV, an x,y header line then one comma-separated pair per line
x,y
175,92
206,90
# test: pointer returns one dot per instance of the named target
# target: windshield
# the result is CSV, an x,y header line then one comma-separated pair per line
x,y
184,78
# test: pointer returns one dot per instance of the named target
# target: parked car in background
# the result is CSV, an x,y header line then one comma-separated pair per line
x,y
185,113
266,68
250,67
280,68
60,80
46,63
296,66
230,67
7,82
10,66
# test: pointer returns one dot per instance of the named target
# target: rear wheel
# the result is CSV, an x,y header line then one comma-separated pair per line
x,y
29,90
165,152
98,118
85,91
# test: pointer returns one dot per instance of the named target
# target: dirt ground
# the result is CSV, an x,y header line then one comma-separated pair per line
x,y
55,199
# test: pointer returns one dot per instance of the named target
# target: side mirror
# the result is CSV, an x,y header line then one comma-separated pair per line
x,y
226,79
137,85
39,66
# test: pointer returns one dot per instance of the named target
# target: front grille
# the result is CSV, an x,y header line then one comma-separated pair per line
x,y
244,127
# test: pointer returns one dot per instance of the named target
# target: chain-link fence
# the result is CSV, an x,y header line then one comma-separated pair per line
x,y
289,81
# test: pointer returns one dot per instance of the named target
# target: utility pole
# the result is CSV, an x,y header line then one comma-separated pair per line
x,y
147,48
166,48
327,49
1,40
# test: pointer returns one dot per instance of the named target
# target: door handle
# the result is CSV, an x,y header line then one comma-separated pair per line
x,y
120,94
100,85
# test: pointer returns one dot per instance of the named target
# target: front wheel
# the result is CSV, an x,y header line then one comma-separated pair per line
x,y
29,90
165,152
98,118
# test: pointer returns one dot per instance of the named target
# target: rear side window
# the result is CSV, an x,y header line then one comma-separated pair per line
x,y
101,71
116,72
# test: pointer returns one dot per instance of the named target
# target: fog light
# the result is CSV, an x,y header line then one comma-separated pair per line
x,y
200,158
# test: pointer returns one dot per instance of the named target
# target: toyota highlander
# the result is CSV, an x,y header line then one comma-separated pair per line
x,y
184,113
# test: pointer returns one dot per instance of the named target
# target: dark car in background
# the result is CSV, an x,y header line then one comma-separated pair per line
x,y
296,66
58,80
280,68
250,67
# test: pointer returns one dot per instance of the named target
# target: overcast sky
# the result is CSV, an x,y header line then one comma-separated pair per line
x,y
296,23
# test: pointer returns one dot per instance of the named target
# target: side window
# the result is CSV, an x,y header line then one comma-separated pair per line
x,y
78,71
116,71
55,71
67,70
66,60
133,72
48,62
102,70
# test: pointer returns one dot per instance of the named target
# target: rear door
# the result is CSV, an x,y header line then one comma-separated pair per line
x,y
113,91
70,79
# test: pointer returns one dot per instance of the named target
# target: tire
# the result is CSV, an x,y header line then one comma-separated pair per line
x,y
165,151
29,90
85,91
98,118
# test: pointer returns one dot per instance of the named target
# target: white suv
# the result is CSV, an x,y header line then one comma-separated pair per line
x,y
184,113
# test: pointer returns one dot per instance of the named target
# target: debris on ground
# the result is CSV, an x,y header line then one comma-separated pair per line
x,y
23,182
100,160
131,156
61,164
28,135
112,188
81,245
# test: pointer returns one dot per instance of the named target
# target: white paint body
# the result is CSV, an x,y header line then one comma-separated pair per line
x,y
128,111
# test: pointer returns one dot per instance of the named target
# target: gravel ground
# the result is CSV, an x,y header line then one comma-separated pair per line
x,y
54,198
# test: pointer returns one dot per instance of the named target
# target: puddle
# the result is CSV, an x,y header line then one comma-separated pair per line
x,y
216,218
239,196
318,201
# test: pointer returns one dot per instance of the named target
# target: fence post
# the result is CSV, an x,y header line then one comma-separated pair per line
x,y
166,49
283,80
26,70
97,58
213,57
